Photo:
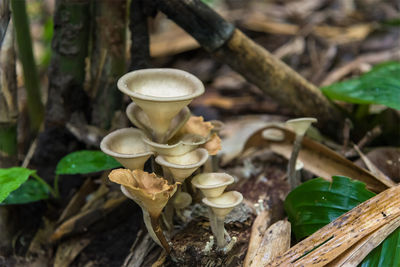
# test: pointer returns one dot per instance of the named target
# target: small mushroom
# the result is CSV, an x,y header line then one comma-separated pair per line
x,y
151,193
212,184
222,206
183,166
197,125
299,126
161,94
273,135
127,147
137,116
187,143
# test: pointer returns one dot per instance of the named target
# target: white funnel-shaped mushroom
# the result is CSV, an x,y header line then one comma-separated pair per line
x,y
127,147
187,143
183,166
137,116
222,206
300,125
161,94
212,184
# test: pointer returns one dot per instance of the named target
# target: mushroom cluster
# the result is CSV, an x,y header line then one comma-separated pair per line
x,y
178,143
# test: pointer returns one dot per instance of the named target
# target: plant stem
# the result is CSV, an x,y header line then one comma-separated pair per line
x,y
43,182
213,221
24,43
294,180
155,231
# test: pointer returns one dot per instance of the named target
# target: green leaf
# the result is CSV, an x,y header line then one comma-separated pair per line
x,y
11,179
381,85
317,202
386,254
28,192
85,161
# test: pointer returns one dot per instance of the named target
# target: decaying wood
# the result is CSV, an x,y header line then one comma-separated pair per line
x,y
255,63
260,225
139,250
354,255
319,159
332,240
276,241
80,222
68,250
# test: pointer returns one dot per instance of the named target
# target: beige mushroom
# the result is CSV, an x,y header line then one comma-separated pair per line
x,y
187,143
161,94
212,184
151,193
222,206
127,147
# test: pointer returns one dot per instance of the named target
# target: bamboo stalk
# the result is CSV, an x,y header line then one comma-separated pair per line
x,y
25,53
107,59
8,101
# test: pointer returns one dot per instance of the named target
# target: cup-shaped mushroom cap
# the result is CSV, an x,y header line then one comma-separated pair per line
x,y
137,116
127,147
146,189
224,204
300,125
273,134
197,125
217,126
183,166
212,184
161,94
182,200
187,143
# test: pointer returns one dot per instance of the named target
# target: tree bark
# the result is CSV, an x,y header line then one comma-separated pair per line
x,y
107,59
256,64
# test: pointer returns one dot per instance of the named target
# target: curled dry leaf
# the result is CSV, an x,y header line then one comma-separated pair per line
x,y
213,145
197,125
149,191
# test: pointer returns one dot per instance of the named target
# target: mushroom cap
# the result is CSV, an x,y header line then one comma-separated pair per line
x,y
146,189
126,145
161,85
183,166
300,125
224,204
217,126
197,125
187,143
182,200
212,184
213,145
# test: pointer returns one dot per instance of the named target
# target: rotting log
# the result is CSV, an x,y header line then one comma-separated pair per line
x,y
107,59
255,63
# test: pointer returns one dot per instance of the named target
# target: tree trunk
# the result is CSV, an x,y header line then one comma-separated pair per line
x,y
107,59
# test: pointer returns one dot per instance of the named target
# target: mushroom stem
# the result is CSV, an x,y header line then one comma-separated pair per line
x,y
213,221
294,180
155,231
221,242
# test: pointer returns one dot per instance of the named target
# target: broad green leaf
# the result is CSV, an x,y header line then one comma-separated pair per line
x,y
30,191
317,202
11,179
85,161
381,85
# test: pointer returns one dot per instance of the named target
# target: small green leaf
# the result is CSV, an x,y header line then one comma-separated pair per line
x,y
28,192
317,202
85,161
381,85
386,254
11,179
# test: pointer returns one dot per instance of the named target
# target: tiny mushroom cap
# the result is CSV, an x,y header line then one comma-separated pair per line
x,y
137,116
127,147
183,166
273,134
224,204
161,94
187,143
299,165
197,125
217,126
300,125
182,200
212,184
146,189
